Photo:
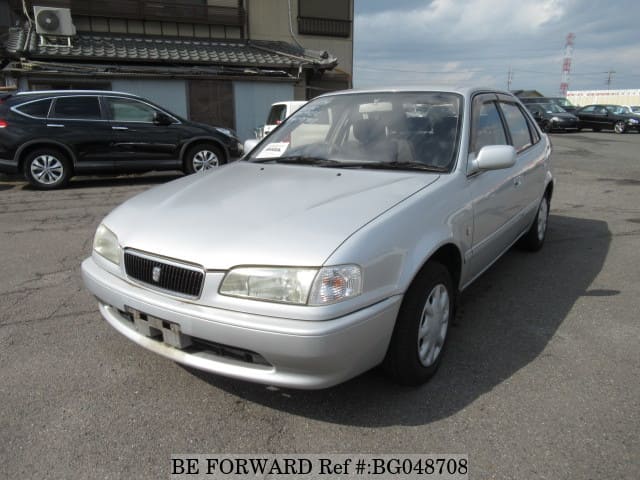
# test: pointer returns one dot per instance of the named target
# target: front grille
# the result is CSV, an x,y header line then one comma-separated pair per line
x,y
183,280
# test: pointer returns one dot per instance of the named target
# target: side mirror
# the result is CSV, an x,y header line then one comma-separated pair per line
x,y
536,114
494,157
160,118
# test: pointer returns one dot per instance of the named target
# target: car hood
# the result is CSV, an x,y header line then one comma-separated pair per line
x,y
260,214
565,115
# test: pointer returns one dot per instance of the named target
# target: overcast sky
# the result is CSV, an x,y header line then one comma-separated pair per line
x,y
412,42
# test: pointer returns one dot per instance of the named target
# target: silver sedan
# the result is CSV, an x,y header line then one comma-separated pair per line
x,y
339,243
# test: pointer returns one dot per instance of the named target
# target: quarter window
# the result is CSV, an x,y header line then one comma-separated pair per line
x,y
125,110
38,109
517,123
487,128
78,108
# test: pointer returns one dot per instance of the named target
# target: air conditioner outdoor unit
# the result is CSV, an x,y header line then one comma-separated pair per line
x,y
52,21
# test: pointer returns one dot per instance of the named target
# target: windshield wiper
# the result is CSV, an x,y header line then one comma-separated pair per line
x,y
301,160
395,165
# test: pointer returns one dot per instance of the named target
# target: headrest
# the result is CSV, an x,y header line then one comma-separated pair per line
x,y
368,130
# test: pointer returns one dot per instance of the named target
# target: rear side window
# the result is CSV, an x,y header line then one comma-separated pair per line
x,y
79,108
518,126
38,109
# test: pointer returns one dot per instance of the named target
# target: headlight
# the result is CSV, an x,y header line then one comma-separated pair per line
x,y
106,244
555,119
294,285
633,120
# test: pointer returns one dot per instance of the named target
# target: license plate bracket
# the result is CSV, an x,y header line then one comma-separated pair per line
x,y
154,327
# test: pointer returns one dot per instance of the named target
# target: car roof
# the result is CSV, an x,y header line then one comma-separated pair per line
x,y
466,91
36,94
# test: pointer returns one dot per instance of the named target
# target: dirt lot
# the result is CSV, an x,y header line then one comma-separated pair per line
x,y
541,379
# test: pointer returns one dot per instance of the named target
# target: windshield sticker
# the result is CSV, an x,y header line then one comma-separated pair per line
x,y
273,150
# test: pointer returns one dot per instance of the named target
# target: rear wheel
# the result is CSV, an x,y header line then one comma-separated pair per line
x,y
620,127
203,157
534,238
420,333
47,169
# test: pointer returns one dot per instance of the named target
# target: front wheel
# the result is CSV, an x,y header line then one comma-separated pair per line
x,y
47,169
620,127
203,157
546,127
420,333
534,238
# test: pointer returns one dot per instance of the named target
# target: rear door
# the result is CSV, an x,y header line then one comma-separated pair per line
x,y
78,121
139,143
530,162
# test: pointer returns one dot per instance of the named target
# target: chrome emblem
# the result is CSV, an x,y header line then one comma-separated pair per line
x,y
155,274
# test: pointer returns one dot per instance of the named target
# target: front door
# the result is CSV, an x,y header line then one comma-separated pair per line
x,y
139,141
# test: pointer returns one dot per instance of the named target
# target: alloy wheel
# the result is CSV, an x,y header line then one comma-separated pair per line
x,y
47,169
205,160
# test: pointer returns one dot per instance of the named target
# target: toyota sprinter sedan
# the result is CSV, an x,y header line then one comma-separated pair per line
x,y
340,242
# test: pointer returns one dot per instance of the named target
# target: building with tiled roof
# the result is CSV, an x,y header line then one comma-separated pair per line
x,y
221,62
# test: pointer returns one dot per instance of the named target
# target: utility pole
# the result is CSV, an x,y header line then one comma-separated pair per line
x,y
509,78
610,74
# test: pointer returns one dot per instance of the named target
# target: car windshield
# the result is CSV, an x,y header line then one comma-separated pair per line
x,y
399,130
552,108
563,102
635,109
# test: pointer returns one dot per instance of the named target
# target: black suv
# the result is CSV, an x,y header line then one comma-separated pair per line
x,y
51,136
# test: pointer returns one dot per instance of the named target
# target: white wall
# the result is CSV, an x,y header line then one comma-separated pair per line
x,y
614,97
252,102
170,94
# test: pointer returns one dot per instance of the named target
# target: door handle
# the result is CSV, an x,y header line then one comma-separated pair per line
x,y
517,181
119,128
57,125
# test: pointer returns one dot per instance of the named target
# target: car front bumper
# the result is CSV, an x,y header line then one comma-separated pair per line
x,y
298,354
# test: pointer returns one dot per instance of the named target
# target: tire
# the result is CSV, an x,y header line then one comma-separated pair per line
x,y
546,127
620,127
203,157
47,169
534,238
419,336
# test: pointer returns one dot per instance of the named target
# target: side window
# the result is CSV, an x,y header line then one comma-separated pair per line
x,y
38,109
518,126
77,108
487,128
589,109
126,110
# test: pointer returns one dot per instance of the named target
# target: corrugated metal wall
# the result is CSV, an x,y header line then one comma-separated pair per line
x,y
252,103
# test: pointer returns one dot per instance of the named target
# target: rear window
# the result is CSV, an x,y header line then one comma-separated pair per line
x,y
80,108
38,109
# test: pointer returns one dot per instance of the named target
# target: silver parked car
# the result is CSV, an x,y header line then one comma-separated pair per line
x,y
341,242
